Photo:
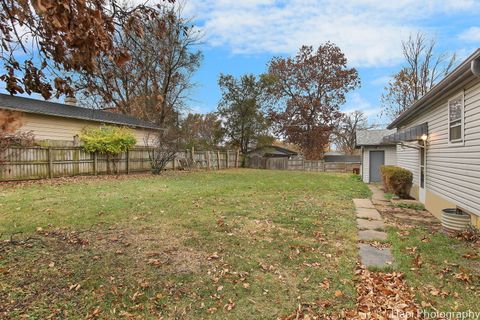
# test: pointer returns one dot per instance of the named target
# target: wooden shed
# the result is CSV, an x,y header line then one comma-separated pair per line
x,y
258,158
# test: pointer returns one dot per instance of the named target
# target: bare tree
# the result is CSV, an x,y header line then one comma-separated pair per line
x,y
422,70
344,135
154,84
162,148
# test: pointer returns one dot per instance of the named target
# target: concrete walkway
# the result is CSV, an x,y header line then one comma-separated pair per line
x,y
378,196
371,228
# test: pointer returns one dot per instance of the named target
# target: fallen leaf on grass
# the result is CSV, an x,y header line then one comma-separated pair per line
x,y
417,262
75,287
137,295
470,255
229,306
154,262
338,293
213,256
462,276
94,313
325,284
437,292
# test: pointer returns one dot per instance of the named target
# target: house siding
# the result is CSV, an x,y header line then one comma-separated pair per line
x,y
390,159
453,170
52,128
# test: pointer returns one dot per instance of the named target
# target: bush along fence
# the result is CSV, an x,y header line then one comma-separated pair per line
x,y
302,165
26,163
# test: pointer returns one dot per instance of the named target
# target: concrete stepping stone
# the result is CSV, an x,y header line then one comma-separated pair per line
x,y
372,235
363,203
373,257
363,224
364,213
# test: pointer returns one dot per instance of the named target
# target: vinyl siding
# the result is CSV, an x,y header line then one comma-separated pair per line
x,y
390,159
53,128
453,169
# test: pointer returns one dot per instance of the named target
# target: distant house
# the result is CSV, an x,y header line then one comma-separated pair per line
x,y
438,140
272,151
374,153
62,123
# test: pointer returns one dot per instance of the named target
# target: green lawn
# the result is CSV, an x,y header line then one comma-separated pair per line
x,y
238,244
444,272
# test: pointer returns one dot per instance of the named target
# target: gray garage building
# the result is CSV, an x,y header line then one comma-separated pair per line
x,y
375,153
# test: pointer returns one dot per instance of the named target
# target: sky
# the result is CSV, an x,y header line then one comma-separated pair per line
x,y
242,36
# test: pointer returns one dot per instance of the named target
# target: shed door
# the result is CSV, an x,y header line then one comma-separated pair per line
x,y
377,159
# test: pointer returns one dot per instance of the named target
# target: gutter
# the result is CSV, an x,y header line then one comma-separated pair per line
x,y
470,66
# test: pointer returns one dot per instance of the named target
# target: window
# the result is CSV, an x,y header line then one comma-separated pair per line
x,y
455,119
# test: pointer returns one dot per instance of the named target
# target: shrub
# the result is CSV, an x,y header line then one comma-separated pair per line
x,y
108,140
397,180
163,148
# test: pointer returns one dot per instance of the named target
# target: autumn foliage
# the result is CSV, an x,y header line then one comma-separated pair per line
x,y
108,140
310,88
10,122
61,35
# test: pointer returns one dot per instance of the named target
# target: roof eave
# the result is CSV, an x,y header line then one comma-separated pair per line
x,y
83,118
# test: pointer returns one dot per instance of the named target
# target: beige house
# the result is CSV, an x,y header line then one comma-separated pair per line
x,y
438,140
60,124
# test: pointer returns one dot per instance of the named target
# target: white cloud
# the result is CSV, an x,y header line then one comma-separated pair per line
x,y
470,35
368,31
356,102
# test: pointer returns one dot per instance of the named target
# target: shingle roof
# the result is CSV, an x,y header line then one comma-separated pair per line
x,y
275,150
68,111
371,137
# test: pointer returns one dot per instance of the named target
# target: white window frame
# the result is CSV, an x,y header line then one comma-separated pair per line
x,y
462,119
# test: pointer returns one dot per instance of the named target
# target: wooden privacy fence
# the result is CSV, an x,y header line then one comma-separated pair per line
x,y
302,165
25,163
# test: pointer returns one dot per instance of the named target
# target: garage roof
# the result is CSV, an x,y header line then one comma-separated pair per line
x,y
372,137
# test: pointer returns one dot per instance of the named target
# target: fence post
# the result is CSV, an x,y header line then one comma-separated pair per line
x,y
207,154
228,159
218,159
193,157
95,163
173,161
50,163
127,165
237,158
